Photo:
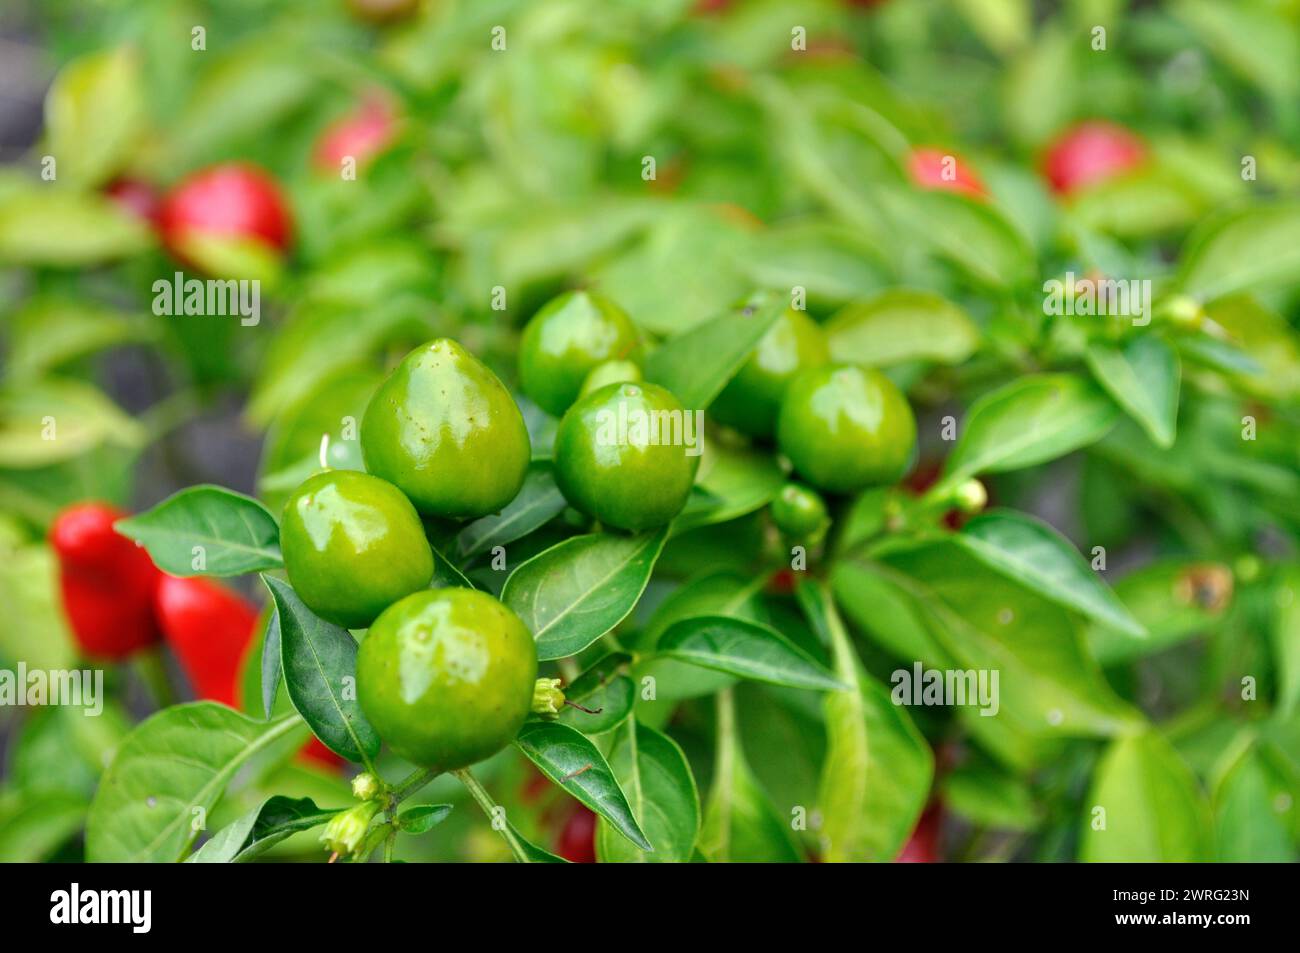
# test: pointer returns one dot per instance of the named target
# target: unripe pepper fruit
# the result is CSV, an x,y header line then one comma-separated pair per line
x,y
107,582
566,340
208,627
234,200
446,676
353,545
632,480
444,430
846,427
752,399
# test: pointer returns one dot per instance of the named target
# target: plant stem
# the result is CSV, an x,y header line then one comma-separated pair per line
x,y
479,793
389,841
412,783
152,669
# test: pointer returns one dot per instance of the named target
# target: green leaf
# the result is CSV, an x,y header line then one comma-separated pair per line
x,y
877,771
32,627
319,340
731,482
566,757
49,225
972,235
1264,339
422,818
1246,250
1249,826
988,797
260,829
1153,809
94,114
1173,599
573,593
1027,422
747,650
696,365
272,673
740,823
446,573
660,789
53,420
318,658
984,622
1286,640
532,854
1257,40
1143,378
604,689
901,325
223,532
175,762
538,501
718,593
38,826
1034,554
49,332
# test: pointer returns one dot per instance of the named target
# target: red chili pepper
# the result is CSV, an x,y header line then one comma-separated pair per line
x,y
234,200
929,168
107,582
923,846
362,134
314,751
1089,153
208,627
577,840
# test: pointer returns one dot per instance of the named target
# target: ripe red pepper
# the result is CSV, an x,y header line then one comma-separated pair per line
x,y
233,200
923,846
361,134
208,627
314,751
1089,153
577,840
927,165
107,582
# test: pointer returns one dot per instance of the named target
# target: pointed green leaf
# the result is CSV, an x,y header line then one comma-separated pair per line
x,y
320,669
207,531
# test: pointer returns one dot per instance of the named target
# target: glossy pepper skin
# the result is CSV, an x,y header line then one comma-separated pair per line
x,y
611,372
209,628
1090,153
234,200
566,340
798,511
616,462
446,676
752,399
846,427
353,545
107,582
445,431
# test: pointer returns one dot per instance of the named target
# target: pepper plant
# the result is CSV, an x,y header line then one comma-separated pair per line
x,y
655,432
